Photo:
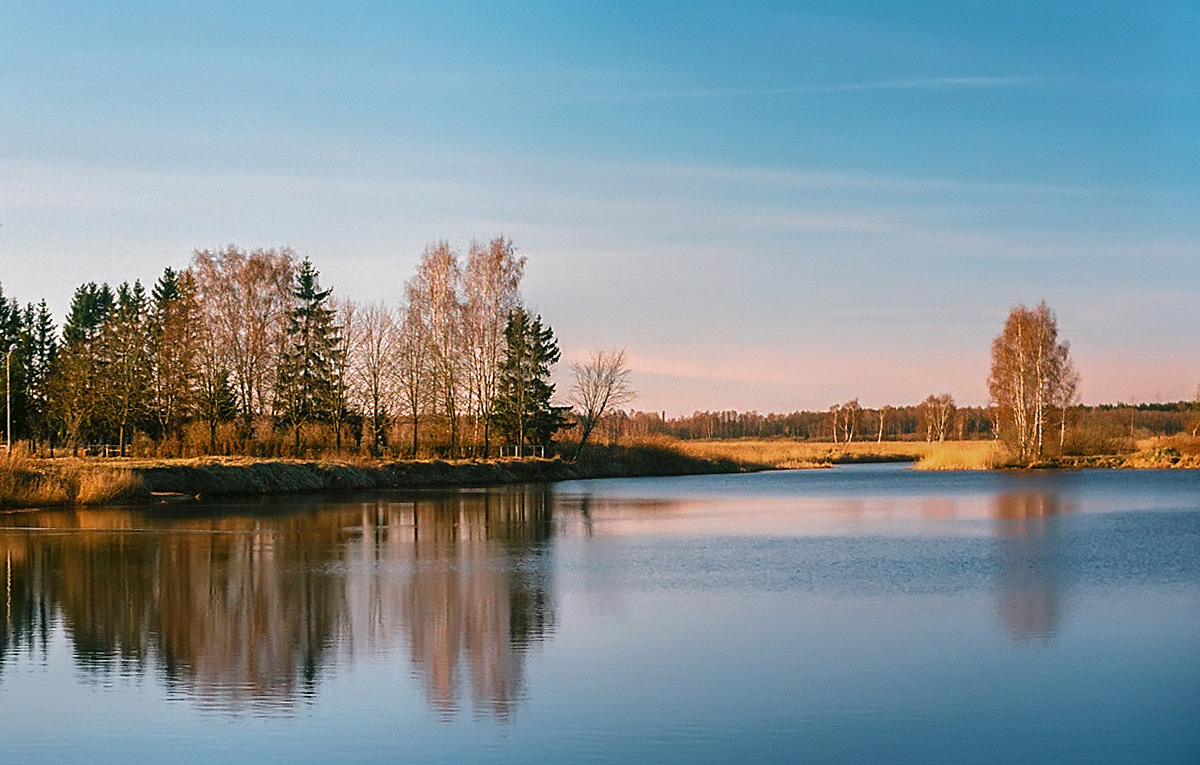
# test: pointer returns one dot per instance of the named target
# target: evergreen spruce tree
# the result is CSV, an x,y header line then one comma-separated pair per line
x,y
306,385
172,352
12,336
76,386
39,367
522,411
126,342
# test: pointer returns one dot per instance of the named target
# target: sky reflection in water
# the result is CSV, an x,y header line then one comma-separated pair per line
x,y
853,612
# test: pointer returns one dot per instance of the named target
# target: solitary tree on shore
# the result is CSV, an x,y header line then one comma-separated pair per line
x,y
1031,374
601,385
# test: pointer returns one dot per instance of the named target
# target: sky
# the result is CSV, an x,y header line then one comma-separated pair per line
x,y
769,205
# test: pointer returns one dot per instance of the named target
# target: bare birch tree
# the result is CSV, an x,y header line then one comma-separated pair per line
x,y
491,291
412,363
601,386
434,293
884,412
936,415
347,315
374,371
1196,412
1029,377
851,414
246,296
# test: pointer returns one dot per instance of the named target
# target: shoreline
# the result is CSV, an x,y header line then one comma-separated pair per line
x,y
31,484
36,484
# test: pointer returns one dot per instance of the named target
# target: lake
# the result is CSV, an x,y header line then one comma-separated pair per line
x,y
862,613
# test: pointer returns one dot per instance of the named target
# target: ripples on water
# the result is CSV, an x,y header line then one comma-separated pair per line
x,y
857,612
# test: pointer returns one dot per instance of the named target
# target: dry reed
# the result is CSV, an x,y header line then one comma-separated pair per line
x,y
963,455
32,483
785,454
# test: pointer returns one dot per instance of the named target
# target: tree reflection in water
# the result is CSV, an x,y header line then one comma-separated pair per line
x,y
247,611
1028,579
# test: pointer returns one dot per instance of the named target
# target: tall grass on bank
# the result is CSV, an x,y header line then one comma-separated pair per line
x,y
963,455
784,454
29,483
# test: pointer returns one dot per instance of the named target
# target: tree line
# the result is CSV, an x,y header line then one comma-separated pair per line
x,y
245,352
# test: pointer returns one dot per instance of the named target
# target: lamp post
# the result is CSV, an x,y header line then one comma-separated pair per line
x,y
8,396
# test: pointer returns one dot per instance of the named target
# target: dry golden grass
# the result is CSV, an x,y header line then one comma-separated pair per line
x,y
102,485
803,454
28,483
963,455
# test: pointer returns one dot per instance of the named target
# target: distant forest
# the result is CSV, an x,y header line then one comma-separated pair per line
x,y
914,422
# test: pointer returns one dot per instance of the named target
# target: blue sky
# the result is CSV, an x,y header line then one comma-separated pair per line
x,y
771,205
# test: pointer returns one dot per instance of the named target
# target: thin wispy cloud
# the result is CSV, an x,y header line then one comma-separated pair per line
x,y
917,83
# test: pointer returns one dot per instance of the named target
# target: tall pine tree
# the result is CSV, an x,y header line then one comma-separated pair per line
x,y
306,384
173,352
39,367
127,354
522,411
13,351
81,365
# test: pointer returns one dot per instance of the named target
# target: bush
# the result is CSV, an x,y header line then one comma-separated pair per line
x,y
1092,439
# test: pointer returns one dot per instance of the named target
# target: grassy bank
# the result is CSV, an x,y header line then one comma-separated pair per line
x,y
33,483
1152,453
784,454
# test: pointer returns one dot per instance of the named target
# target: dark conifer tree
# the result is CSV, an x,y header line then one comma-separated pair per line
x,y
81,365
522,411
127,356
305,387
172,352
14,340
39,366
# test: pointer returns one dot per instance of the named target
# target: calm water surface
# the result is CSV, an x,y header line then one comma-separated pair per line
x,y
864,613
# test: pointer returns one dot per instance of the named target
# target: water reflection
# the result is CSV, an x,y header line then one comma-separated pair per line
x,y
1029,571
249,612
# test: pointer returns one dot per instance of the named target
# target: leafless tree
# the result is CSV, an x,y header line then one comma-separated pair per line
x,y
433,296
347,314
835,417
1196,412
246,296
412,365
1065,395
601,386
937,416
491,291
1031,374
884,412
376,362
